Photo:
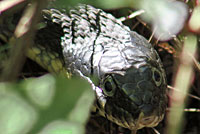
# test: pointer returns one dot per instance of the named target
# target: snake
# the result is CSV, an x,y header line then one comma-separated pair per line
x,y
86,41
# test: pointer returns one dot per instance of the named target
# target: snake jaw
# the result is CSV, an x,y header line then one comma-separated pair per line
x,y
149,121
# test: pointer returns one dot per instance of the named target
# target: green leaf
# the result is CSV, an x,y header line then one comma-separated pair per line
x,y
63,127
16,115
41,91
39,105
63,98
82,108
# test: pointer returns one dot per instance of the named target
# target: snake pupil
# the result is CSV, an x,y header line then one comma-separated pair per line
x,y
108,86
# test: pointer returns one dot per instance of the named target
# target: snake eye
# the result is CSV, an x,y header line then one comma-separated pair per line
x,y
157,77
109,86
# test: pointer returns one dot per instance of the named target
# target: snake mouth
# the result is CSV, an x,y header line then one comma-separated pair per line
x,y
150,121
129,120
119,116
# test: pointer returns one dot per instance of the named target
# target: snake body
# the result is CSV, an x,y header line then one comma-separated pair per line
x,y
131,88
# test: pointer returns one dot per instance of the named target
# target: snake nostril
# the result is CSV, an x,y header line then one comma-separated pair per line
x,y
147,120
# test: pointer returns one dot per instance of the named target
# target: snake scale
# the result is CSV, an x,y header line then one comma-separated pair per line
x,y
131,88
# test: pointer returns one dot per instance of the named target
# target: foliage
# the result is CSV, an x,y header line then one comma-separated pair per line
x,y
46,104
55,105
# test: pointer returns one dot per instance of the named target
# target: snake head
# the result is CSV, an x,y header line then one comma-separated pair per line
x,y
134,95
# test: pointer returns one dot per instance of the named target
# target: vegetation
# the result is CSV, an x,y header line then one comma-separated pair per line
x,y
32,101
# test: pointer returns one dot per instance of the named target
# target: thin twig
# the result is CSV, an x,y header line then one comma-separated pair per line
x,y
191,110
8,4
196,63
156,131
185,110
178,90
152,35
132,15
24,32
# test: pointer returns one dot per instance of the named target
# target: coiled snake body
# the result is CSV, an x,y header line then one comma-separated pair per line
x,y
132,84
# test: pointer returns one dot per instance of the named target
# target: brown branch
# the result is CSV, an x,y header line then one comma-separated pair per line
x,y
23,38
